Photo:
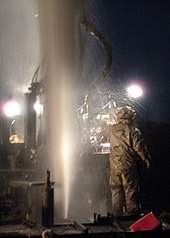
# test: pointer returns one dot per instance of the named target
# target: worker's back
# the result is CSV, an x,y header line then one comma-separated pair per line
x,y
122,154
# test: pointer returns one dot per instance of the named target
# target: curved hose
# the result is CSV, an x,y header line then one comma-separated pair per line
x,y
99,37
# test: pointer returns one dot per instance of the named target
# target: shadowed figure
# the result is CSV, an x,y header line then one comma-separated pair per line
x,y
126,148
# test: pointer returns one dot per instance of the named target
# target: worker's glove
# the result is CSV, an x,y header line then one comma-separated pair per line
x,y
148,164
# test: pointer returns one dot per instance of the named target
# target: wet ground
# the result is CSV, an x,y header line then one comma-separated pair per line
x,y
102,227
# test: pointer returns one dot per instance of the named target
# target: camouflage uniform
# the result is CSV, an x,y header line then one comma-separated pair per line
x,y
126,146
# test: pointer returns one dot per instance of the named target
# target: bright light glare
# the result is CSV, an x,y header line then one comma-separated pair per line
x,y
12,109
134,91
66,156
38,107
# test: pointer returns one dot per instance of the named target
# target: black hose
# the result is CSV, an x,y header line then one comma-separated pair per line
x,y
99,37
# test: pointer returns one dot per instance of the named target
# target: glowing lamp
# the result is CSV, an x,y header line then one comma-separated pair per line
x,y
134,91
11,109
38,107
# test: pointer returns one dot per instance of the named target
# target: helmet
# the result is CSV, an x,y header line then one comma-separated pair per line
x,y
125,114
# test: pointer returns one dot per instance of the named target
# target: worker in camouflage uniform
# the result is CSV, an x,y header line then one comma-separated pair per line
x,y
126,146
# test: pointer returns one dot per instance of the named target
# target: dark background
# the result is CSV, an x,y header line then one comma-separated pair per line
x,y
139,35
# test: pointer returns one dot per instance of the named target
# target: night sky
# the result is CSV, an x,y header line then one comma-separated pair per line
x,y
139,34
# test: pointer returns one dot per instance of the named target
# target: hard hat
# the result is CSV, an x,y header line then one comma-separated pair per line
x,y
125,114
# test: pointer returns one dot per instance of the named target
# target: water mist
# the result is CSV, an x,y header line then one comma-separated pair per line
x,y
59,28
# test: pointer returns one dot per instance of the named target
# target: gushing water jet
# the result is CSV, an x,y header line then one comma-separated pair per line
x,y
59,30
